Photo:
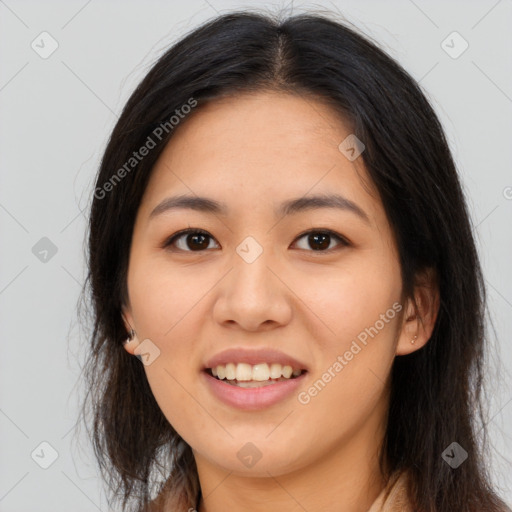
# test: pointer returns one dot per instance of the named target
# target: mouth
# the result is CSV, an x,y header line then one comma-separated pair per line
x,y
244,375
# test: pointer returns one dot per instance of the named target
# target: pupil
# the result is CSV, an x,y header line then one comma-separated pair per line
x,y
314,239
195,237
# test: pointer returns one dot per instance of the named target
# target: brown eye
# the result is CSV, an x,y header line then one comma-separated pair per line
x,y
190,240
320,241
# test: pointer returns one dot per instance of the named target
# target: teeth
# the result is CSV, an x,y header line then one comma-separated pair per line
x,y
261,372
230,371
254,384
287,371
243,371
275,371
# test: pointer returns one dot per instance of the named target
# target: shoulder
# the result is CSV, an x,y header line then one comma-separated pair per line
x,y
166,502
394,497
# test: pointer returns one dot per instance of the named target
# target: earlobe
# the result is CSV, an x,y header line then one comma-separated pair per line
x,y
131,342
420,315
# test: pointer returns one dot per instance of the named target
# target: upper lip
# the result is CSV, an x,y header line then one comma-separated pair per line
x,y
254,356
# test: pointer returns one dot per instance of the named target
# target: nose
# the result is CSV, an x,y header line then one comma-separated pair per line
x,y
253,296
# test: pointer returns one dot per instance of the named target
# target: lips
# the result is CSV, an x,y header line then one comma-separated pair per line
x,y
252,398
252,395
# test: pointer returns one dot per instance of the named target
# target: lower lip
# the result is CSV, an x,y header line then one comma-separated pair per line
x,y
251,399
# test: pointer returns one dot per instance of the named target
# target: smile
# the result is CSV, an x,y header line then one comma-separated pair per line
x,y
247,375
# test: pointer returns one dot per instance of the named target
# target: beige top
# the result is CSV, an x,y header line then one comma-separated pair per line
x,y
393,498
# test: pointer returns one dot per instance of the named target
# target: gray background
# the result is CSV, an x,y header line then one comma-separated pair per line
x,y
56,115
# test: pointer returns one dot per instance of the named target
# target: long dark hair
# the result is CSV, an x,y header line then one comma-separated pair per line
x,y
436,391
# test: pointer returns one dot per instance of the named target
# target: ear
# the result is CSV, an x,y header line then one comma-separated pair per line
x,y
130,344
420,314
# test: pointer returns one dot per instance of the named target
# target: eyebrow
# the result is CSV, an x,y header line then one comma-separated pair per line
x,y
290,207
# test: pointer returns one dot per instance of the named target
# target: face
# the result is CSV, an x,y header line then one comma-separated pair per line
x,y
316,286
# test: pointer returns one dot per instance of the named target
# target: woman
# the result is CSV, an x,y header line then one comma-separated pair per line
x,y
279,236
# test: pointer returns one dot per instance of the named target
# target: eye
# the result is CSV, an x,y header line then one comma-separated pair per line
x,y
320,240
197,240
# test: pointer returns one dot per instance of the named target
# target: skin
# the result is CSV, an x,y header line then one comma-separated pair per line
x,y
252,152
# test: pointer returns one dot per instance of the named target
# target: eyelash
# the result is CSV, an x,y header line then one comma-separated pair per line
x,y
343,241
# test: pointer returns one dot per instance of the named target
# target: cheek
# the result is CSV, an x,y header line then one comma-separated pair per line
x,y
161,297
347,301
355,358
356,321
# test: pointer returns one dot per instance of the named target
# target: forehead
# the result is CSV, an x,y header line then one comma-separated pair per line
x,y
259,147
